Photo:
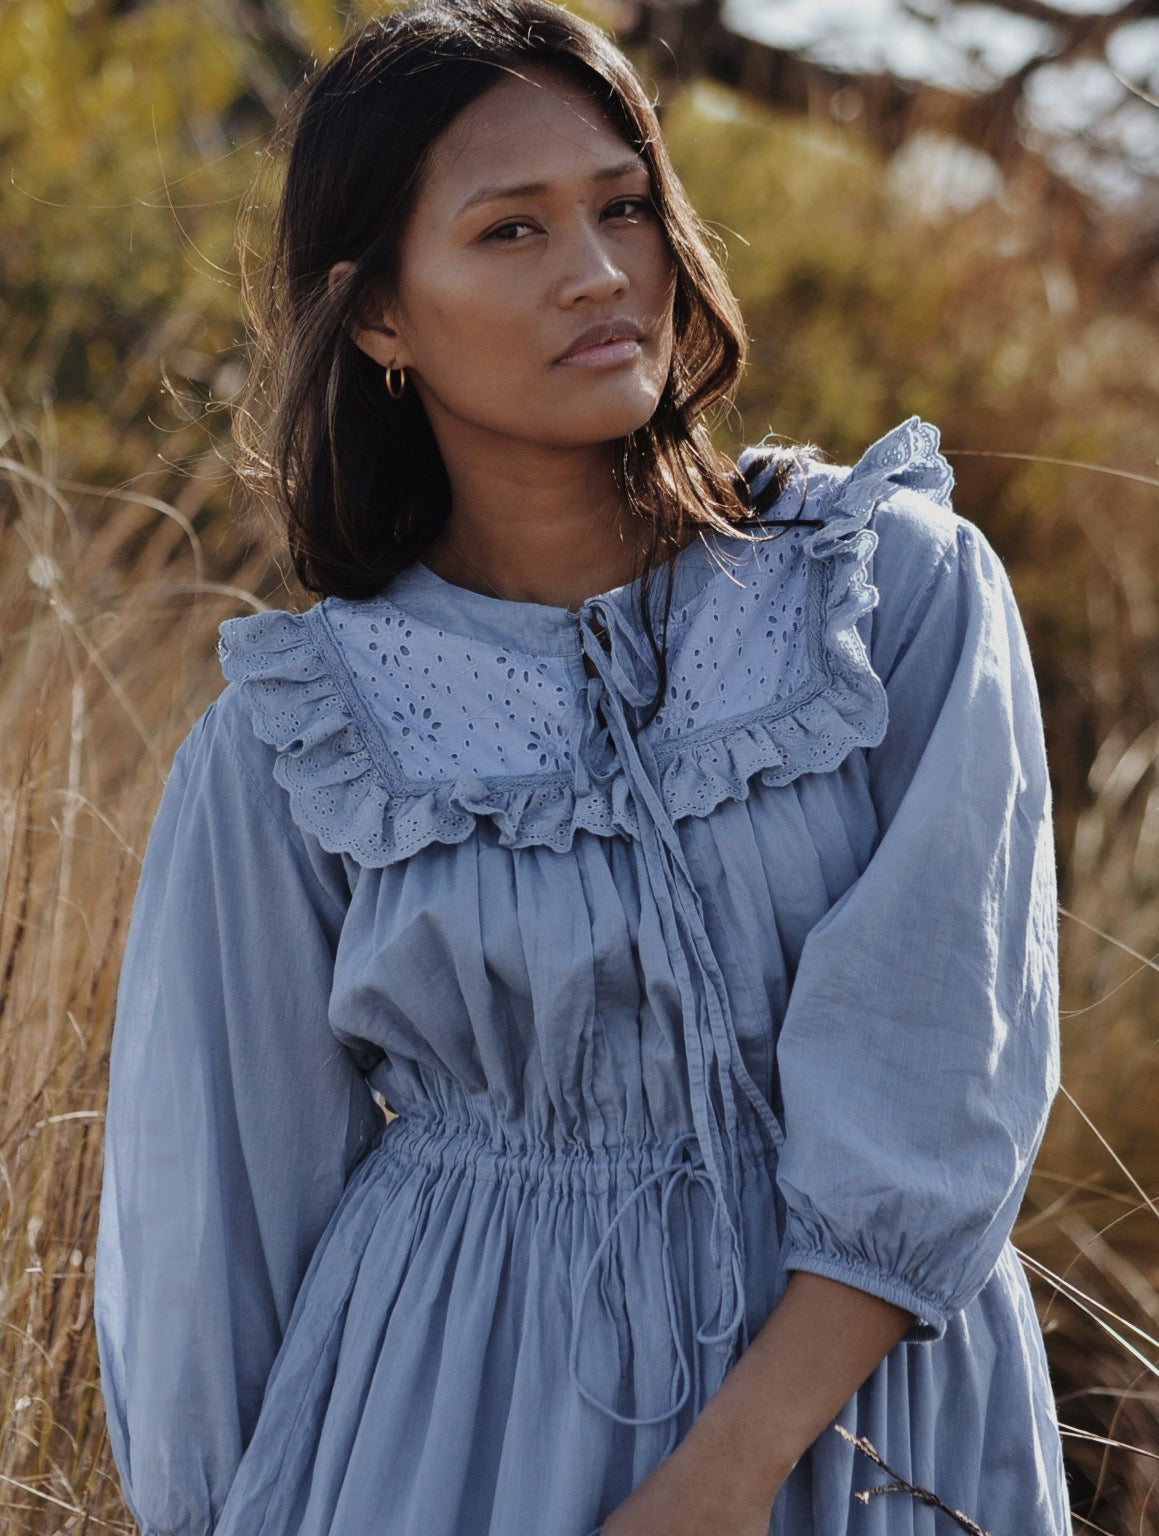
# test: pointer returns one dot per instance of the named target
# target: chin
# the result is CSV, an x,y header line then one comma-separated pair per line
x,y
609,421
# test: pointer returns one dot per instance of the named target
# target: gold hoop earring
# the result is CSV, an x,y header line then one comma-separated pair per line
x,y
395,387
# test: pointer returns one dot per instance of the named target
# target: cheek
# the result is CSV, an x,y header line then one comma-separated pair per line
x,y
666,333
468,328
662,289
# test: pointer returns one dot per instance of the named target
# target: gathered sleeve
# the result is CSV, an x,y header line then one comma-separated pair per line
x,y
234,1119
918,1056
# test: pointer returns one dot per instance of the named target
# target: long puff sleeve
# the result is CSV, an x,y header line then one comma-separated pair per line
x,y
918,1057
234,1119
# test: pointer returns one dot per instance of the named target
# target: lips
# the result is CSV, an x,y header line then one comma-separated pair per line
x,y
608,341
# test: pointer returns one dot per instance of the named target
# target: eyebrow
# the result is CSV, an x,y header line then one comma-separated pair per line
x,y
538,188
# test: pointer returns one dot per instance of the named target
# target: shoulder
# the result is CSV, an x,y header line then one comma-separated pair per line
x,y
223,763
889,523
894,505
917,539
230,789
276,678
234,751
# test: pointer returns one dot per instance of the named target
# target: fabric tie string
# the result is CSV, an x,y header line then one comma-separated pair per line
x,y
715,1066
682,1172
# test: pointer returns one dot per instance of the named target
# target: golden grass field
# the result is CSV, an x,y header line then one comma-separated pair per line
x,y
107,657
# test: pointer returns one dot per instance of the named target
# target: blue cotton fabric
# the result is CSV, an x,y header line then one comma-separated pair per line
x,y
665,1010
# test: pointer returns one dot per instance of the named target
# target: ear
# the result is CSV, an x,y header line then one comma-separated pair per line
x,y
373,332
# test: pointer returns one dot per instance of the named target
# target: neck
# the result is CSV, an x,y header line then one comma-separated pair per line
x,y
547,526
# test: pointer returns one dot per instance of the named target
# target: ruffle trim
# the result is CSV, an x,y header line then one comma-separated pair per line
x,y
345,788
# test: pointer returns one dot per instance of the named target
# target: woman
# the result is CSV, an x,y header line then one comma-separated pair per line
x,y
693,915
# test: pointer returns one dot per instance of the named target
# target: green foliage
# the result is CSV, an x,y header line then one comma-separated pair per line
x,y
129,135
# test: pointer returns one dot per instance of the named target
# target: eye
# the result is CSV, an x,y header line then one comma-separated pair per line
x,y
512,232
635,209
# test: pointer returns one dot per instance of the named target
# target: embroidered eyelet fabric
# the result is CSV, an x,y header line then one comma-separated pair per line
x,y
670,1002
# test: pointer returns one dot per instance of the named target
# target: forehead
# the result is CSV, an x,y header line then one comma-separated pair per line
x,y
532,127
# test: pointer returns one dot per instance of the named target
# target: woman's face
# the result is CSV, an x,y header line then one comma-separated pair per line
x,y
534,302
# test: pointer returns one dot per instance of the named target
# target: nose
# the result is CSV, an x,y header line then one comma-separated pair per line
x,y
589,268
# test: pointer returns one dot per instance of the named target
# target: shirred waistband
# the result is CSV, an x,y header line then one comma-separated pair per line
x,y
468,1149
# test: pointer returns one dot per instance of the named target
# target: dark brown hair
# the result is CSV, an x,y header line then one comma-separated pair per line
x,y
356,475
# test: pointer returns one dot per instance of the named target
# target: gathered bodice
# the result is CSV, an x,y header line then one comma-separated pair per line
x,y
535,999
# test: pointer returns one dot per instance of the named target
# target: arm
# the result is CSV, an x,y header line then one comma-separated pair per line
x,y
820,1343
918,1056
234,1118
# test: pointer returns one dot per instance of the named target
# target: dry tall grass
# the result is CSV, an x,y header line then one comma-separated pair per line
x,y
106,658
107,634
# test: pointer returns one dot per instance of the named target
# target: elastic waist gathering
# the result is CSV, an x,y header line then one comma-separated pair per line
x,y
465,1149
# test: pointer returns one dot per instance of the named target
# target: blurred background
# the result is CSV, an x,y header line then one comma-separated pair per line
x,y
936,206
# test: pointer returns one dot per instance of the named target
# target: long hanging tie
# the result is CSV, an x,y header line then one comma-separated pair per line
x,y
611,748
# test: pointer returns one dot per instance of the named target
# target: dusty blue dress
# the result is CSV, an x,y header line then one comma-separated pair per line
x,y
665,1012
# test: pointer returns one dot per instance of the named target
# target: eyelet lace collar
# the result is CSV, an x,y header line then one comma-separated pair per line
x,y
402,720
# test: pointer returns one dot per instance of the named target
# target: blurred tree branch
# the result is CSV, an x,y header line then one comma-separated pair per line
x,y
685,39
